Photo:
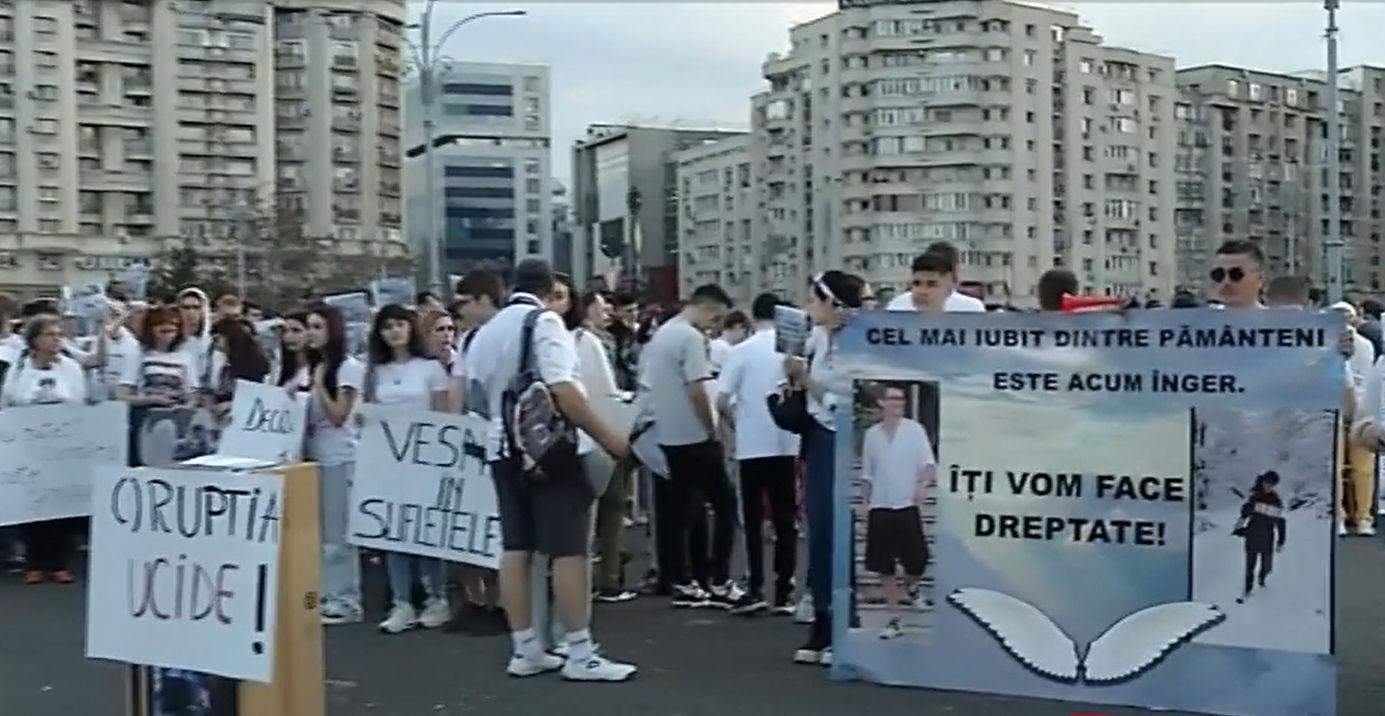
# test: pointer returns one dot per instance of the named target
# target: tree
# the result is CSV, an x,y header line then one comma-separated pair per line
x,y
181,266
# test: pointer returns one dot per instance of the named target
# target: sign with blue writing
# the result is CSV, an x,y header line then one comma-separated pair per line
x,y
422,486
1125,509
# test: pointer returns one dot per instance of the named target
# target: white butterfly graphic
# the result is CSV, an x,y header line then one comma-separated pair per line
x,y
1128,648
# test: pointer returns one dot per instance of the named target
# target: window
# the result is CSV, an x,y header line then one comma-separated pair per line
x,y
1085,66
532,186
531,84
49,226
993,54
531,166
1233,88
1257,91
1088,181
1124,125
1029,117
45,25
531,122
1088,95
1030,85
45,126
1029,58
531,206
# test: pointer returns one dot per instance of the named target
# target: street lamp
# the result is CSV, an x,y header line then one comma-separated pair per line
x,y
425,59
1332,240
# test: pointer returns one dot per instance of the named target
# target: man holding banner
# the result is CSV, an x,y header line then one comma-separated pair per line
x,y
552,515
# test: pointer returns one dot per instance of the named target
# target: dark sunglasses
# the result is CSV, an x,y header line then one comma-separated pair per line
x,y
1220,274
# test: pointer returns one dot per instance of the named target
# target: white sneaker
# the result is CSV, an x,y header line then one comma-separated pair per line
x,y
435,613
825,656
402,618
561,649
340,613
1341,529
521,665
804,614
1365,530
597,668
891,630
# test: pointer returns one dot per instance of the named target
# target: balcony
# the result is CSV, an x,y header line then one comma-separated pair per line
x,y
289,59
139,147
350,184
137,84
390,128
391,188
390,218
346,213
389,99
346,124
389,159
385,64
344,62
346,154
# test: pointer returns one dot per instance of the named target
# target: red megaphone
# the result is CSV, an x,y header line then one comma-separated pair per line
x,y
1090,304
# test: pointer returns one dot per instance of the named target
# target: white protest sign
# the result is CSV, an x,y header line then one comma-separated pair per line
x,y
791,329
185,569
422,486
47,453
267,423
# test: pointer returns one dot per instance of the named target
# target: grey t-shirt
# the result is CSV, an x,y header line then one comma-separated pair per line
x,y
673,359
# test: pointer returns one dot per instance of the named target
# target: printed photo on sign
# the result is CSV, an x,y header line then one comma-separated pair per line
x,y
184,569
1263,526
179,692
895,505
171,435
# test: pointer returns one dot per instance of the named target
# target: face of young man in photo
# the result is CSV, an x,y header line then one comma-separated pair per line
x,y
892,405
1237,280
931,290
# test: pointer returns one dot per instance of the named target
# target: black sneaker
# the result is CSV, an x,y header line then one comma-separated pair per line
x,y
783,606
615,596
819,642
750,604
726,595
690,595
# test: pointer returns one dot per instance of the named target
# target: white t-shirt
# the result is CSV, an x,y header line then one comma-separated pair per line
x,y
891,464
11,347
717,350
752,371
955,303
598,381
28,384
675,358
327,443
822,368
122,354
410,383
493,359
199,349
167,373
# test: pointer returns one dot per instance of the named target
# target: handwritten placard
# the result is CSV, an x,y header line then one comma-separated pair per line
x,y
47,454
267,423
185,569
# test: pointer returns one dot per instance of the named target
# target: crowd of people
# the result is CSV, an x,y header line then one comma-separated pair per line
x,y
693,381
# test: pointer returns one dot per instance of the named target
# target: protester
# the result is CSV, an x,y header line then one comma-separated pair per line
x,y
479,295
832,296
1357,506
41,375
194,309
944,254
625,317
122,350
228,305
241,359
551,516
734,328
439,338
427,301
1053,285
766,456
1185,299
401,373
252,312
166,374
1287,292
1370,324
676,369
11,345
1238,274
588,323
559,300
896,464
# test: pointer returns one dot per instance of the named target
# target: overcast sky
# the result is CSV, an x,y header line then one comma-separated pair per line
x,y
697,64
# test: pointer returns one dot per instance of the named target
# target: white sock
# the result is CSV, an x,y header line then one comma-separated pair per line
x,y
580,646
526,643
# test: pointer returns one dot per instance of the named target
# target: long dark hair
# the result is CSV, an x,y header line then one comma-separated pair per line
x,y
288,359
243,354
380,353
334,352
157,317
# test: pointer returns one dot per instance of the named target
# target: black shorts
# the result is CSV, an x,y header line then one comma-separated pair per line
x,y
551,517
895,537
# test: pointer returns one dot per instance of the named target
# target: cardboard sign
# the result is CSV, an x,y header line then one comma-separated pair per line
x,y
1133,509
185,569
422,486
47,453
267,423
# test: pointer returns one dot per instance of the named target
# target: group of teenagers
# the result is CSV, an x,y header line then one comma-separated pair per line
x,y
696,385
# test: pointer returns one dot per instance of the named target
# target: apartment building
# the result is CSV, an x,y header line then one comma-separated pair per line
x,y
1004,128
1252,164
719,222
491,165
625,203
126,124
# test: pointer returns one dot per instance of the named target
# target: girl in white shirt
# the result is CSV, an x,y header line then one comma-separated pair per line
x,y
402,373
315,362
165,375
43,375
833,297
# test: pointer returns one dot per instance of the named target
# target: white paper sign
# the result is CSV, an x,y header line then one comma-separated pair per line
x,y
47,453
185,569
422,486
267,423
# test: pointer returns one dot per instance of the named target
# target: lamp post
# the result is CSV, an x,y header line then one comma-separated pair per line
x,y
1332,240
425,59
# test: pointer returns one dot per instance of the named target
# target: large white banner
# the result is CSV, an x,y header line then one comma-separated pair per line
x,y
422,486
47,453
185,569
267,423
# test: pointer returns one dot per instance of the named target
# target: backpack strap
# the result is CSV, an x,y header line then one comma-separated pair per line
x,y
526,339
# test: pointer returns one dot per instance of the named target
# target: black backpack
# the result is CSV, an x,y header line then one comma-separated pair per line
x,y
537,434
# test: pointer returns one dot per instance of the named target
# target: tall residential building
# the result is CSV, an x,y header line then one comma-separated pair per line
x,y
491,165
625,203
561,229
125,125
719,223
1007,129
1252,165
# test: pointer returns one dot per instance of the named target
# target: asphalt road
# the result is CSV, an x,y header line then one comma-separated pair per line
x,y
691,663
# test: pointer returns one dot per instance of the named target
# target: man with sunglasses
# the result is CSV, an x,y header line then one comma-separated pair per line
x,y
1238,274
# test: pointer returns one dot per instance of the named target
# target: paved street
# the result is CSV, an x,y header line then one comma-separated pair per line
x,y
692,662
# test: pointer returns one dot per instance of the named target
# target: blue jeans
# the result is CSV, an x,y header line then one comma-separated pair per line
x,y
405,570
821,450
341,564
